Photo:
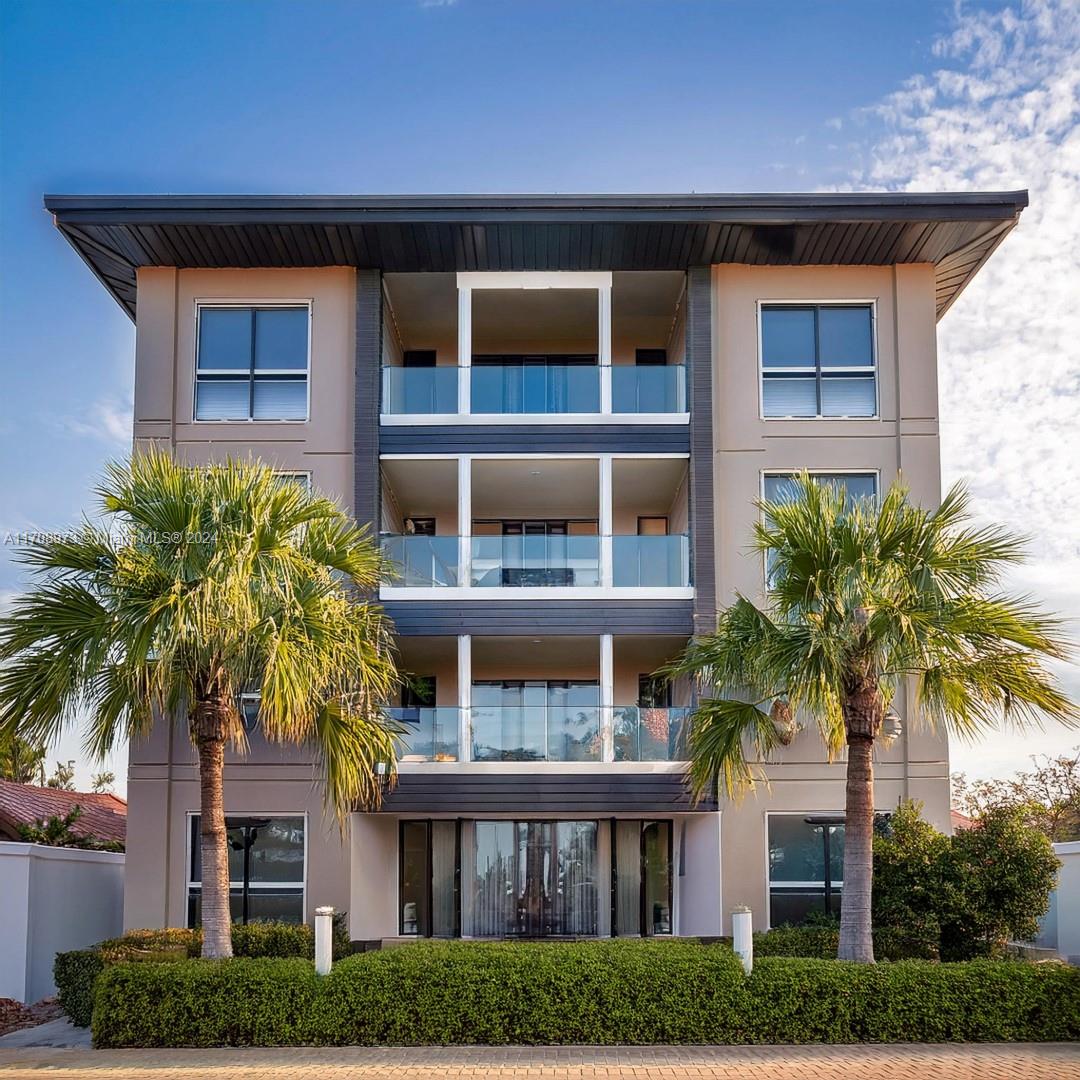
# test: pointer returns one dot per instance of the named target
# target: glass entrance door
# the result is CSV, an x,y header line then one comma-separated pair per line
x,y
533,879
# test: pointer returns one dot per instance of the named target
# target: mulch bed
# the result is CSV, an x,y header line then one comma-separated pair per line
x,y
14,1015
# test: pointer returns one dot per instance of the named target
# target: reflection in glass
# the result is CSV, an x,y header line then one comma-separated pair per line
x,y
534,879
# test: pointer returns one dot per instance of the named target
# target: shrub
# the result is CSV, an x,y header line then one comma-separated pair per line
x,y
600,992
964,895
255,940
821,941
75,974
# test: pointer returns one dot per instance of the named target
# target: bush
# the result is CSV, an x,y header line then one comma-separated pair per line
x,y
821,943
601,992
963,896
77,970
75,974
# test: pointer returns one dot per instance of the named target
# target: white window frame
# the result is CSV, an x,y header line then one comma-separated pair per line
x,y
295,474
262,885
764,473
277,302
869,302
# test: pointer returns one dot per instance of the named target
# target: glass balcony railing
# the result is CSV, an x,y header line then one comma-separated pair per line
x,y
540,388
536,733
650,561
648,389
429,733
419,391
646,734
422,561
508,561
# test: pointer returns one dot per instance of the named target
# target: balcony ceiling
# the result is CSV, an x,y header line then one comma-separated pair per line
x,y
117,234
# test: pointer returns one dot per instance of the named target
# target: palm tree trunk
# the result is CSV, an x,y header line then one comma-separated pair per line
x,y
856,937
211,718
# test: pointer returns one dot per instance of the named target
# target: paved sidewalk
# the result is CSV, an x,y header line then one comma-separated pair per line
x,y
1053,1061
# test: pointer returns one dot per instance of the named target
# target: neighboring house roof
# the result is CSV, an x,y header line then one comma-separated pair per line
x,y
104,817
960,821
117,234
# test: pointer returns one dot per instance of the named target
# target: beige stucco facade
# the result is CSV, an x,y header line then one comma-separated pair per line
x,y
726,853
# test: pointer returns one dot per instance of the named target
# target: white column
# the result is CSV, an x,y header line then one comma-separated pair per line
x,y
606,517
742,937
464,494
464,335
324,940
605,349
607,696
464,684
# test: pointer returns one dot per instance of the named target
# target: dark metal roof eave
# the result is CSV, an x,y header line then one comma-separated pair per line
x,y
706,209
116,234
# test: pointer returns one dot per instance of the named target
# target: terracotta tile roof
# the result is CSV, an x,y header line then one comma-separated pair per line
x,y
960,821
104,817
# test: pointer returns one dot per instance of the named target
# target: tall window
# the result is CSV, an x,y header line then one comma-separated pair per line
x,y
806,867
641,877
818,360
533,879
266,870
252,363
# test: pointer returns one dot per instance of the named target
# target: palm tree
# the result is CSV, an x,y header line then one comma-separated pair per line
x,y
862,599
209,583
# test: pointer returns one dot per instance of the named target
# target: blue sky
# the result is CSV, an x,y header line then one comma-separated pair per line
x,y
585,96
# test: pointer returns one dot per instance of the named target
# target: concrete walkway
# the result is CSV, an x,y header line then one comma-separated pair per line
x,y
1052,1061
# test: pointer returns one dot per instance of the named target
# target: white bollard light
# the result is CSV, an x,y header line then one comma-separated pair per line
x,y
324,940
742,937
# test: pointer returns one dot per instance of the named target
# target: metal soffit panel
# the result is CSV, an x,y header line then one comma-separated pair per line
x,y
117,234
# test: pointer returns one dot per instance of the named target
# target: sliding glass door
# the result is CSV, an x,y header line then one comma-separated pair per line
x,y
641,877
533,879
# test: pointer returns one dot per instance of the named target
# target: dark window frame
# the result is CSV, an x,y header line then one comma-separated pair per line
x,y
245,822
815,368
251,374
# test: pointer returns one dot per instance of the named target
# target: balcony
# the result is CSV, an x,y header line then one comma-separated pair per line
x,y
536,524
544,700
428,733
530,345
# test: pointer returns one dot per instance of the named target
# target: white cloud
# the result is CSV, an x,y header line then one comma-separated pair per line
x,y
107,420
1002,112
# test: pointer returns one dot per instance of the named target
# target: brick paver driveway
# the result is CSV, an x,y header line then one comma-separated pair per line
x,y
986,1062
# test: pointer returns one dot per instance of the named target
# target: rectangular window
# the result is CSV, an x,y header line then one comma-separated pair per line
x,y
252,363
806,867
266,869
817,360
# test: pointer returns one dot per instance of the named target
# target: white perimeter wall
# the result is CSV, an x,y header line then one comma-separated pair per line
x,y
1061,926
53,899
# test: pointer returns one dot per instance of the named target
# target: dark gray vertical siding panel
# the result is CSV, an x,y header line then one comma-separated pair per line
x,y
702,512
366,493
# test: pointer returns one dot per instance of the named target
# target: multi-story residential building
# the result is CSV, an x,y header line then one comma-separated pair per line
x,y
556,412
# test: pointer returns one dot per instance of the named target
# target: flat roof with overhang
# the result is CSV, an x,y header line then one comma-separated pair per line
x,y
117,234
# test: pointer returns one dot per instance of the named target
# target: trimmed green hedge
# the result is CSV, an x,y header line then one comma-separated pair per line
x,y
75,973
601,992
822,942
